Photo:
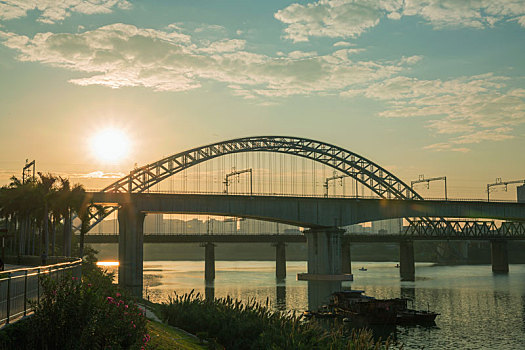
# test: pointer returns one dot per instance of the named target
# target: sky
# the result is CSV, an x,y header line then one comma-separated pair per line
x,y
433,87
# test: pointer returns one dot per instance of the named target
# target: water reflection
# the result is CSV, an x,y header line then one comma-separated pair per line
x,y
319,293
209,290
478,310
280,293
408,292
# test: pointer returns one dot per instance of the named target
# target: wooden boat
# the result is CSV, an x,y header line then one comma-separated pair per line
x,y
410,316
355,305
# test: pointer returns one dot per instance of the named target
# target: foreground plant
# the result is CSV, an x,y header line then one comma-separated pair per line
x,y
80,314
238,325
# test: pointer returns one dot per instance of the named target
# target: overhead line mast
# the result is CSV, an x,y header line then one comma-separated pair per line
x,y
422,179
502,183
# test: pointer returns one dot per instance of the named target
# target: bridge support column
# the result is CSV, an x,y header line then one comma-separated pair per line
x,y
280,260
130,249
407,268
209,262
324,265
499,256
346,258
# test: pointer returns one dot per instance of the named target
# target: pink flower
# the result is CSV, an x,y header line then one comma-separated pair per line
x,y
118,295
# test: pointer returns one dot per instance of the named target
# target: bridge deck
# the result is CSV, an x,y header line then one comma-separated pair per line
x,y
311,212
375,238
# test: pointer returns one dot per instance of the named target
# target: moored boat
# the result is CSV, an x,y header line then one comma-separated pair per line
x,y
410,316
355,305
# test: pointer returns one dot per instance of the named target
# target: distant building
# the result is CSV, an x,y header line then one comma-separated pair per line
x,y
392,226
521,194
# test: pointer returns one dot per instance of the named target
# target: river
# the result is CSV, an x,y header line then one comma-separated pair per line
x,y
479,310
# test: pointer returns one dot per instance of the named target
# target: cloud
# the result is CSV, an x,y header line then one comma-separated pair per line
x,y
478,108
351,18
225,46
122,55
438,147
51,11
343,43
345,19
100,175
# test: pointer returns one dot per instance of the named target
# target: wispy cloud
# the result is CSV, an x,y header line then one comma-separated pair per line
x,y
122,55
51,11
99,175
479,108
350,18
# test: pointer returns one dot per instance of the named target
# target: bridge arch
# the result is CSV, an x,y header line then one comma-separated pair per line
x,y
377,179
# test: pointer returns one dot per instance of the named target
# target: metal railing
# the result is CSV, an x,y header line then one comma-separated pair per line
x,y
20,286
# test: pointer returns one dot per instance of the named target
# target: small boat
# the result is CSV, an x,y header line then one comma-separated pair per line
x,y
363,269
410,316
354,305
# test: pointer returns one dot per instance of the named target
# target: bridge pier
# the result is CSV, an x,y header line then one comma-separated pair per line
x,y
209,262
499,256
324,265
130,248
280,260
346,258
407,268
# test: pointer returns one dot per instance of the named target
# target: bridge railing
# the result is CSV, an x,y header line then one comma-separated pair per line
x,y
19,287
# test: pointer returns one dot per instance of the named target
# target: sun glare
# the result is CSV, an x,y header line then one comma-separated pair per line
x,y
110,145
107,263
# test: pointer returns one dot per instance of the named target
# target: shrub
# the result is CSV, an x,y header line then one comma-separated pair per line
x,y
237,325
80,314
73,314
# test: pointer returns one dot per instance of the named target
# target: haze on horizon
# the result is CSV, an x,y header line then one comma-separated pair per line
x,y
419,87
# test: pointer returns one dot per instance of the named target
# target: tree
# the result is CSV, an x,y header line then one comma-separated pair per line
x,y
45,192
85,211
64,204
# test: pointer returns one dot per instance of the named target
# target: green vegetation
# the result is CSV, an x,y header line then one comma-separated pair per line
x,y
164,337
238,325
80,314
38,214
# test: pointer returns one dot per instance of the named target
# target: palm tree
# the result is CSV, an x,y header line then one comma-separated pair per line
x,y
64,204
45,191
23,202
85,211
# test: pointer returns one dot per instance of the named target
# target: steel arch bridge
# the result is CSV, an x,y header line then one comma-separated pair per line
x,y
376,178
379,180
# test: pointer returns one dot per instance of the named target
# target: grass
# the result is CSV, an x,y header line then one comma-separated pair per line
x,y
164,337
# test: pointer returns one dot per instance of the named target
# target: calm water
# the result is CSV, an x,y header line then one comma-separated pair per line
x,y
479,310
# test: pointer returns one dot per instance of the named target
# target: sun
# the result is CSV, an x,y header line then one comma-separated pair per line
x,y
110,145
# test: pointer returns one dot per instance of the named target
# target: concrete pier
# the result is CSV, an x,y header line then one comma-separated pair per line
x,y
407,267
346,258
209,262
130,248
499,256
324,265
280,260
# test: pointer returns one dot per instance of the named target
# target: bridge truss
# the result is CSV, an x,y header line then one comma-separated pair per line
x,y
379,180
376,178
464,229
